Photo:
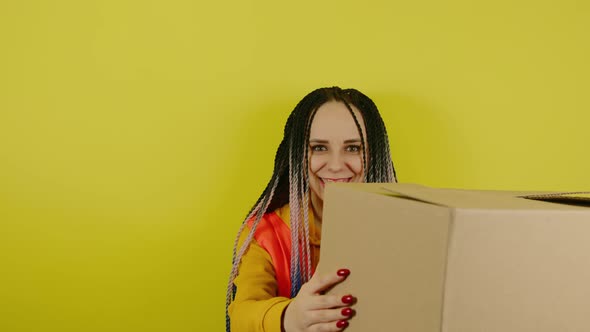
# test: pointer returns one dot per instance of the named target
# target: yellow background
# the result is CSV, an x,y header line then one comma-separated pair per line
x,y
135,135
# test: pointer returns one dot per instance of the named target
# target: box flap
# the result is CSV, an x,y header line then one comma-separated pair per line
x,y
581,198
480,199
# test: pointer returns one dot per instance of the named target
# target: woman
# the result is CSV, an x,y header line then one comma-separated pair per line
x,y
332,135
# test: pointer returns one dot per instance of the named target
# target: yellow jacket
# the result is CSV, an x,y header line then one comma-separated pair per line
x,y
256,306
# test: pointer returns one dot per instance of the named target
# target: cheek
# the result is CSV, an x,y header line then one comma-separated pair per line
x,y
315,163
355,164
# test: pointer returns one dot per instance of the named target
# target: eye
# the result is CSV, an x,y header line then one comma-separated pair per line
x,y
353,148
319,148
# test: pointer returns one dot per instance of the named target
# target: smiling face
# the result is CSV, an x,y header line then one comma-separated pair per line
x,y
335,149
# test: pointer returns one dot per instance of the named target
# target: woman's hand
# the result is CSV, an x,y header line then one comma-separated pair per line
x,y
312,311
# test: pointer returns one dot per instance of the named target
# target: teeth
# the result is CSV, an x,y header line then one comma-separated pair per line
x,y
336,180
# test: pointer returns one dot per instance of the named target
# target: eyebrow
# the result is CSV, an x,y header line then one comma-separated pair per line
x,y
354,140
348,141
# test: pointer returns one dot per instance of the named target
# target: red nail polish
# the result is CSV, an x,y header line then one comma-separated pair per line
x,y
341,324
348,299
347,312
343,272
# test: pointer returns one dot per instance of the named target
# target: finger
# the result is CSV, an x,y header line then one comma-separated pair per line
x,y
330,315
329,327
320,302
319,283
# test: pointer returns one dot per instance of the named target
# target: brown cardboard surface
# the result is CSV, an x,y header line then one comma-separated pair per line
x,y
403,270
425,259
518,271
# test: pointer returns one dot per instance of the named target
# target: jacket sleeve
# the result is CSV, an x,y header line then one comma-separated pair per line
x,y
256,306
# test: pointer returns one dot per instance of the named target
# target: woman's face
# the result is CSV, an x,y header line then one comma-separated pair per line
x,y
334,148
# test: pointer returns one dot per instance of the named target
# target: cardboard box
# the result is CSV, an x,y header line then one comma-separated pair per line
x,y
426,260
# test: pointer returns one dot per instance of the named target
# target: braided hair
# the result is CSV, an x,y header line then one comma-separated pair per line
x,y
289,181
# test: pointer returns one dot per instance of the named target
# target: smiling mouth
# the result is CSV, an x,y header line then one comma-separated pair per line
x,y
323,181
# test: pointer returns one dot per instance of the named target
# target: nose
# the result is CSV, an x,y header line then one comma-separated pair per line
x,y
336,162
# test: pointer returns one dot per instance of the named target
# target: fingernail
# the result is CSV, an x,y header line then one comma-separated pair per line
x,y
347,299
343,272
347,312
341,324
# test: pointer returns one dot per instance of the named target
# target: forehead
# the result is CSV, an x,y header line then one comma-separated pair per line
x,y
333,119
